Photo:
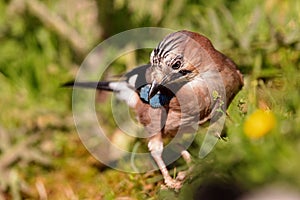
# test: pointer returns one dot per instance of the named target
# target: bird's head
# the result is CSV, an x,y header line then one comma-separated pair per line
x,y
175,61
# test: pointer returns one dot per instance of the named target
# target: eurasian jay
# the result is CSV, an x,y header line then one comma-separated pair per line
x,y
187,83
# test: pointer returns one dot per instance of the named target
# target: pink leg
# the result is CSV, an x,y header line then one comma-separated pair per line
x,y
155,146
188,159
186,156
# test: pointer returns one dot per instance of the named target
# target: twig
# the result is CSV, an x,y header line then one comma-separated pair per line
x,y
57,24
10,156
40,186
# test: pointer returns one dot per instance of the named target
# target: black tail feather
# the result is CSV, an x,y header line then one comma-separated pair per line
x,y
103,85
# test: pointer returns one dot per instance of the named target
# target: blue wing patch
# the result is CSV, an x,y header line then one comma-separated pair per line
x,y
157,100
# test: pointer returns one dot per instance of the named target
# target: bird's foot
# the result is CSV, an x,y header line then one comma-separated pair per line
x,y
177,183
181,175
173,183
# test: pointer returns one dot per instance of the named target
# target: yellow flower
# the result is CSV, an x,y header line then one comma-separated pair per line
x,y
259,123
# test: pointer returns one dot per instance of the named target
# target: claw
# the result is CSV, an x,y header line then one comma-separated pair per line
x,y
181,175
173,184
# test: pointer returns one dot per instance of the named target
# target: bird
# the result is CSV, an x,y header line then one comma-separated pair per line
x,y
186,84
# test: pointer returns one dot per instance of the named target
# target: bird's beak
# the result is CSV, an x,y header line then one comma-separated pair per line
x,y
165,82
153,89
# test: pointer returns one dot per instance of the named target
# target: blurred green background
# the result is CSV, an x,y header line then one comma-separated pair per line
x,y
42,44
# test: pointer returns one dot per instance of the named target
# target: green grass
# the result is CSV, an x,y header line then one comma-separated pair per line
x,y
36,125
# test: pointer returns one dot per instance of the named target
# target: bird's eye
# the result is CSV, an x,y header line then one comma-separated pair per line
x,y
184,72
176,65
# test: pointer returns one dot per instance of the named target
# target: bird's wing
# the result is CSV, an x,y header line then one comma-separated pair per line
x,y
126,89
137,77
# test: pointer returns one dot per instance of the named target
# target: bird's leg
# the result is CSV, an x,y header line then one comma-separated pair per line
x,y
155,146
188,159
186,156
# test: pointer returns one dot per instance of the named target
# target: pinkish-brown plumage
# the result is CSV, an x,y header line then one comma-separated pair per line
x,y
201,80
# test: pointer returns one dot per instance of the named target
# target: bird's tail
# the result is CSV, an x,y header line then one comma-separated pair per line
x,y
102,85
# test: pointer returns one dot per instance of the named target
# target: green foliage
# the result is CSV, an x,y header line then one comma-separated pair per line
x,y
36,126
